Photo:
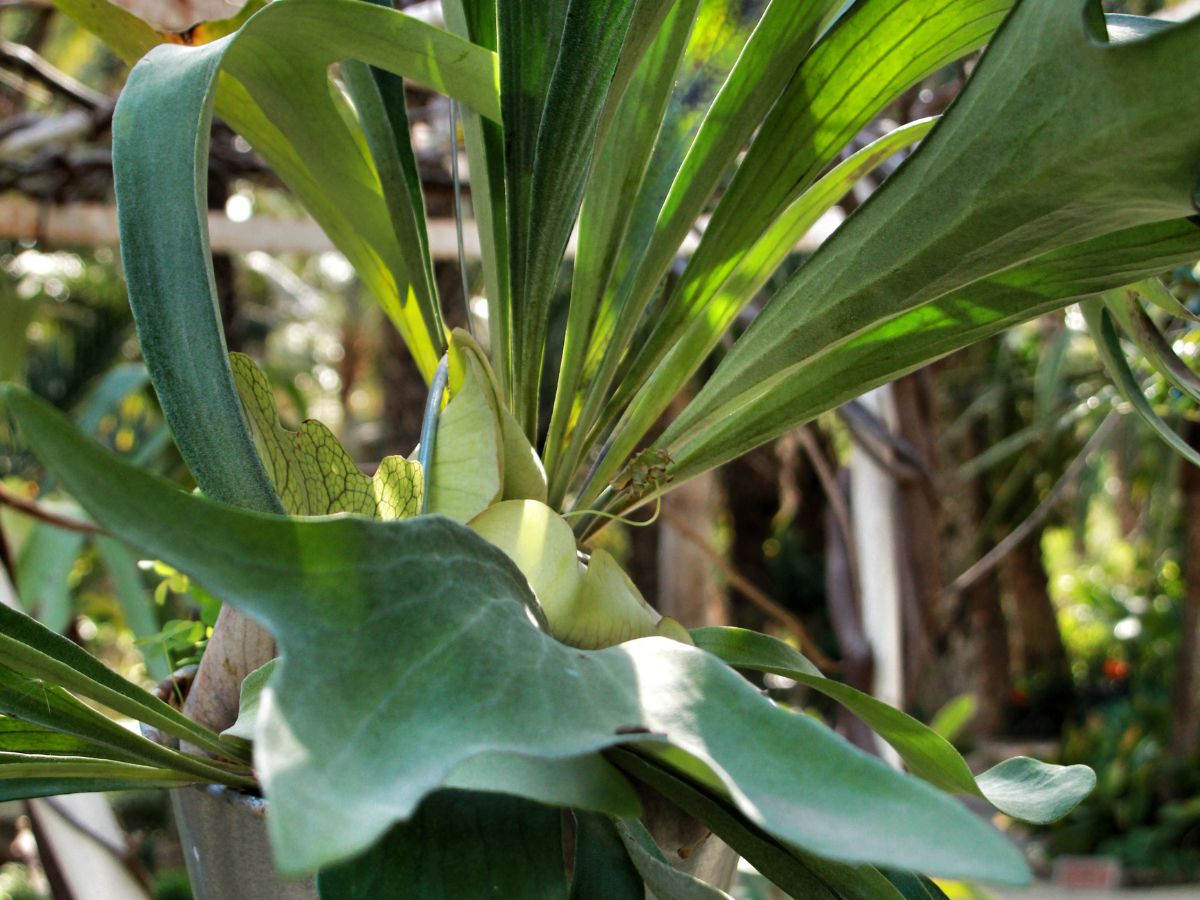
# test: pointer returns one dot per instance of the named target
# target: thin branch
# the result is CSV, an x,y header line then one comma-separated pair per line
x,y
24,60
7,560
886,449
752,593
993,557
39,512
833,493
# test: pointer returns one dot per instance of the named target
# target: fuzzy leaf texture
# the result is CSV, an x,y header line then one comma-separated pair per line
x,y
359,607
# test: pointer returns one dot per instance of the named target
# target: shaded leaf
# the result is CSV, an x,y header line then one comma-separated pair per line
x,y
914,887
137,605
603,870
583,782
665,881
459,845
44,573
798,873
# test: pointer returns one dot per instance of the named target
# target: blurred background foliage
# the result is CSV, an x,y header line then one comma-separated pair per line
x,y
1081,644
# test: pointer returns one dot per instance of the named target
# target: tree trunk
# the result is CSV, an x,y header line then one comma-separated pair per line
x,y
237,647
990,628
688,585
1036,635
919,508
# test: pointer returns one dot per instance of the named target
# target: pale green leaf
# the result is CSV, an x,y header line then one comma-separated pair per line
x,y
1022,788
582,782
309,469
665,881
250,700
466,474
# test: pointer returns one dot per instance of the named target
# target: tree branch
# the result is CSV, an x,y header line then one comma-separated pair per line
x,y
753,593
25,61
39,512
993,557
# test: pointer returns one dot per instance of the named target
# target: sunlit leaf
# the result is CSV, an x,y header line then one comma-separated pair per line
x,y
310,471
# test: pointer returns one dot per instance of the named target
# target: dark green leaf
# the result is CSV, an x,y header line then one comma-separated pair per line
x,y
476,21
675,194
379,98
603,870
460,845
608,208
914,887
550,119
